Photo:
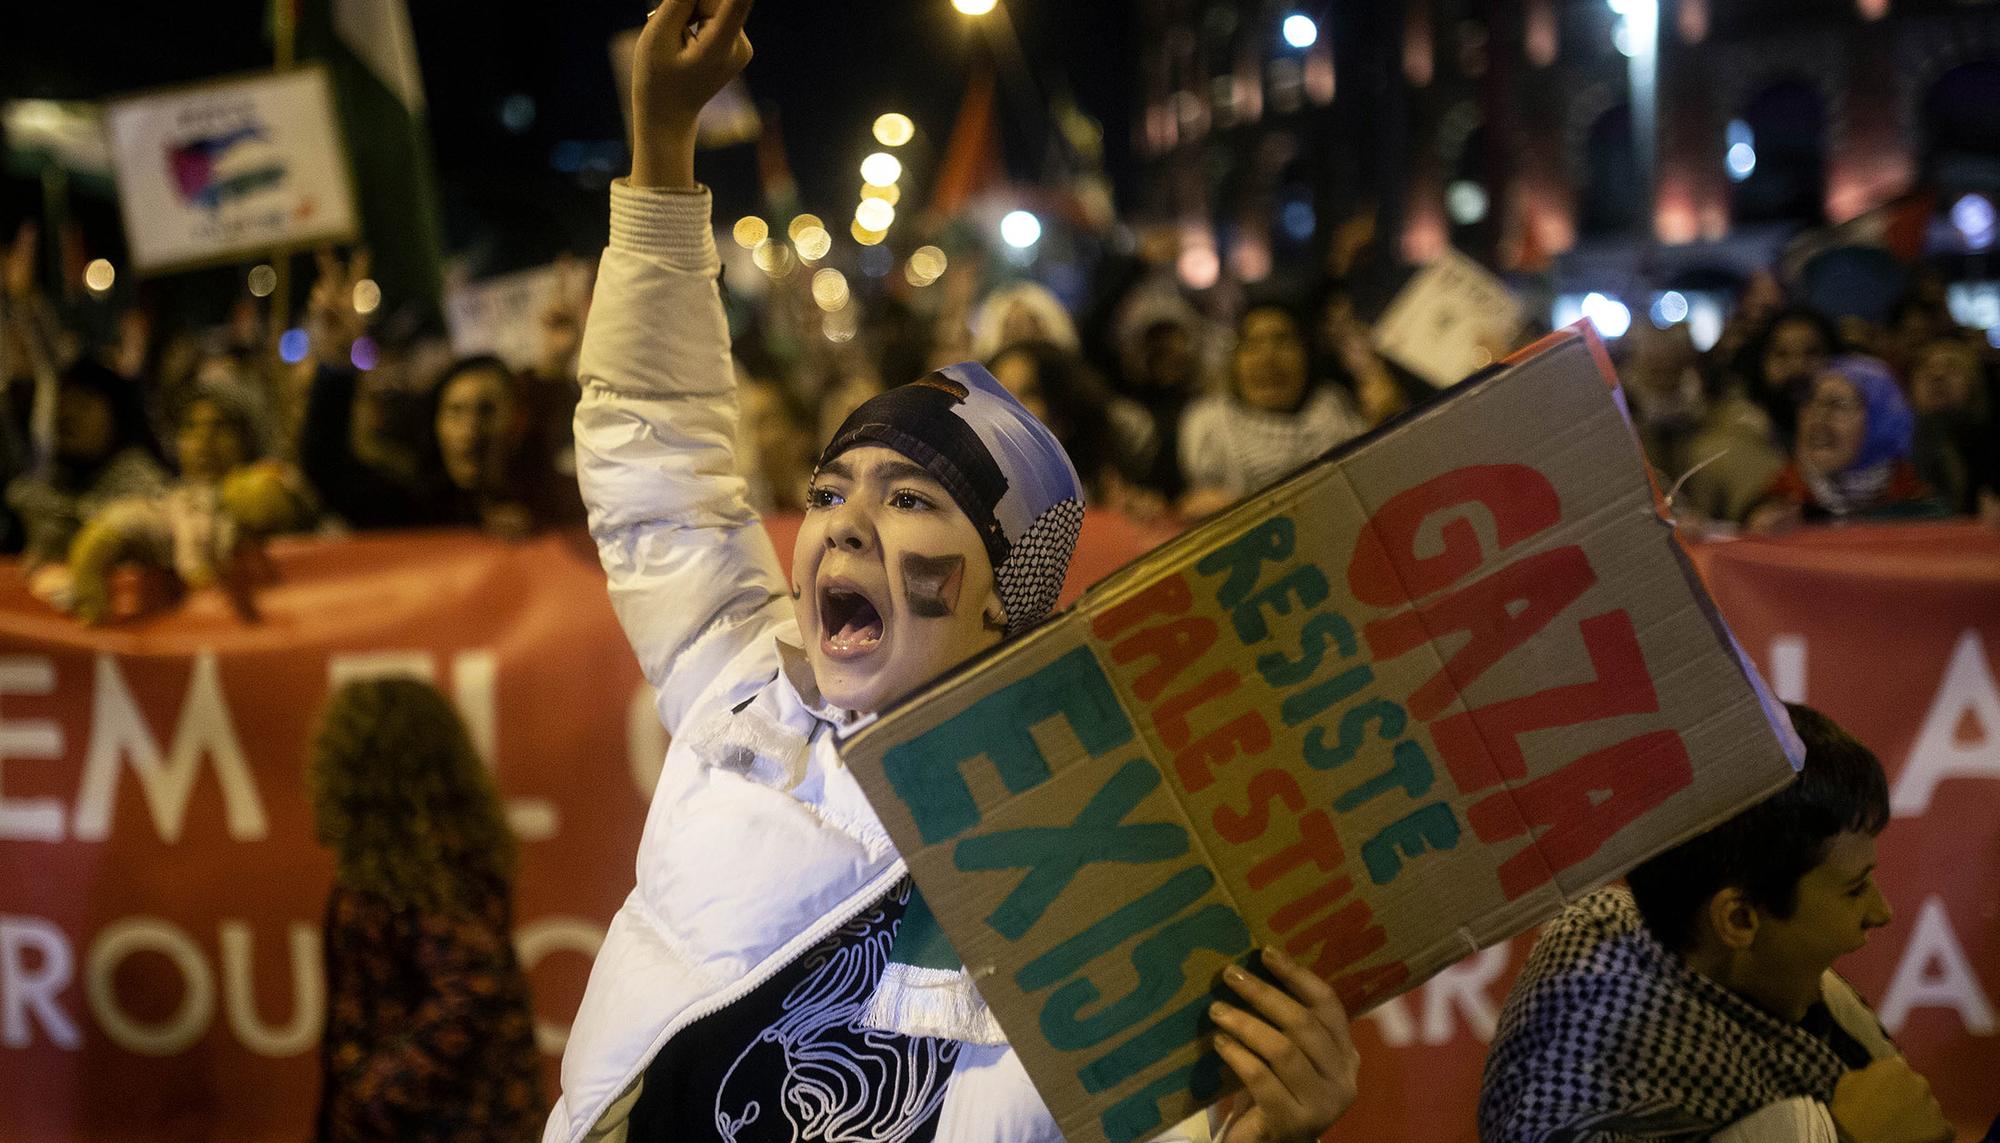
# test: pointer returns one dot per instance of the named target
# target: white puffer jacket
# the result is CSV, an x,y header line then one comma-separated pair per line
x,y
759,842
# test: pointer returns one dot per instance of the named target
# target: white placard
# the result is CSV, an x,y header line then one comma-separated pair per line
x,y
1453,319
230,169
502,315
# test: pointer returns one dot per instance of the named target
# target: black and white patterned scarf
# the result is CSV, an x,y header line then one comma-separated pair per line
x,y
1607,1035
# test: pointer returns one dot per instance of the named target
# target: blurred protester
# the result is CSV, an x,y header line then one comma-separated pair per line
x,y
1022,311
776,446
1780,362
1958,440
1701,1003
226,497
1271,420
1853,459
103,450
1162,374
1109,439
479,465
429,1034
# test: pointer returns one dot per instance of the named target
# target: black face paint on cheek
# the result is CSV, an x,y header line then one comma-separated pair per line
x,y
932,584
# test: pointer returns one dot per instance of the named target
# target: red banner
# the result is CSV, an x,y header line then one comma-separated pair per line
x,y
160,888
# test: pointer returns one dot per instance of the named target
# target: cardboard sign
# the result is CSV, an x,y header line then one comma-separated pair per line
x,y
230,170
1452,319
1392,710
502,315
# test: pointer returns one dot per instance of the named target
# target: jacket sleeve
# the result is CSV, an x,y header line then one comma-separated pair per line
x,y
692,574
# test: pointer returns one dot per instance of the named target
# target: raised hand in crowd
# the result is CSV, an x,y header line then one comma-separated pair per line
x,y
562,320
687,52
332,322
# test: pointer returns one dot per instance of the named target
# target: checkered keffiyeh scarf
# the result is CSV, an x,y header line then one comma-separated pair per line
x,y
1609,1036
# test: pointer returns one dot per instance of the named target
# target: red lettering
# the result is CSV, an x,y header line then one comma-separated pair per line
x,y
1247,733
1317,843
1487,610
1386,569
1240,827
1481,747
1170,717
1581,806
1293,913
1167,597
1343,938
1366,987
1173,646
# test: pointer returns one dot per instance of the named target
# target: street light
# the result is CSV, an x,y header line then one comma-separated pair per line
x,y
1020,229
894,129
881,169
1300,31
974,7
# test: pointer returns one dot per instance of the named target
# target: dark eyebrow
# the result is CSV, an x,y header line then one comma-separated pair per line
x,y
891,471
837,467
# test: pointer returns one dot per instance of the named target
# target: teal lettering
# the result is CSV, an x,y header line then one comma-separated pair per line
x,y
925,772
1172,1032
1053,855
1433,827
1409,769
1160,961
1270,540
1128,920
1306,582
1388,717
1310,702
1137,1116
1280,670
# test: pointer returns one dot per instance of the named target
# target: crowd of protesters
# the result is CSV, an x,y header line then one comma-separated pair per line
x,y
177,448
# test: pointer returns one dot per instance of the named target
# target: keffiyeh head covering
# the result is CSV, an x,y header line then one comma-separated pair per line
x,y
1001,466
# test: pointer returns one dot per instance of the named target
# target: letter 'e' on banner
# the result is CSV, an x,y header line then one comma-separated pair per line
x,y
1398,707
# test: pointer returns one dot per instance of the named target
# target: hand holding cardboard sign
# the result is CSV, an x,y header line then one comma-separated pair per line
x,y
1298,1062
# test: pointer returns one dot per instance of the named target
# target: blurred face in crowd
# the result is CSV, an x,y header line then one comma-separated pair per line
x,y
85,429
1832,423
890,581
1943,376
209,442
1838,903
1270,361
1795,353
1022,377
477,423
1167,357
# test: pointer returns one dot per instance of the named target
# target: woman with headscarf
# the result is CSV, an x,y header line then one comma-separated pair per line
x,y
774,974
103,449
429,1035
1853,455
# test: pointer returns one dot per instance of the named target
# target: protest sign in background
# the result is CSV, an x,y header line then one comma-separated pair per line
x,y
161,893
230,169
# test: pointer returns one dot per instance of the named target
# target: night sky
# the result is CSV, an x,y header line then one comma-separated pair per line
x,y
828,67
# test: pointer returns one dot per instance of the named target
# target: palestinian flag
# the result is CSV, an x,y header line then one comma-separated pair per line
x,y
371,56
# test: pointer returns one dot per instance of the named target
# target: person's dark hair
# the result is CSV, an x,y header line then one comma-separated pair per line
x,y
477,363
430,458
1750,362
1078,407
1766,849
400,796
130,426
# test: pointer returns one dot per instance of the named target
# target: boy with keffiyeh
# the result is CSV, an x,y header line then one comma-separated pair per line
x,y
774,975
1702,1003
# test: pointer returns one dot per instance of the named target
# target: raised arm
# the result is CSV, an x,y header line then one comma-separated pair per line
x,y
692,574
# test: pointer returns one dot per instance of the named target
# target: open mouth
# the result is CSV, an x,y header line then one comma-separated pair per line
x,y
850,625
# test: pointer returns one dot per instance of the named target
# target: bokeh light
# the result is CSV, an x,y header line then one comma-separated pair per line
x,y
803,223
367,296
813,243
293,345
881,169
874,214
99,275
1020,229
894,129
829,289
750,232
263,280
